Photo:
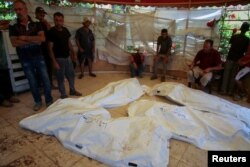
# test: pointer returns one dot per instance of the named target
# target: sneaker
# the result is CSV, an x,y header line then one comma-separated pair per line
x,y
14,100
153,77
80,76
92,75
163,79
6,103
63,96
37,106
49,103
75,93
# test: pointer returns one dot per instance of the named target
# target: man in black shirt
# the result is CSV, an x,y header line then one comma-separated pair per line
x,y
40,15
27,36
61,49
239,44
163,51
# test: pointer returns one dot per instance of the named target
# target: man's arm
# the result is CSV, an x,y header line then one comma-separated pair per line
x,y
23,39
52,56
72,52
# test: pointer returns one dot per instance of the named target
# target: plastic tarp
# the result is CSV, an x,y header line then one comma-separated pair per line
x,y
115,94
200,100
89,130
203,129
116,34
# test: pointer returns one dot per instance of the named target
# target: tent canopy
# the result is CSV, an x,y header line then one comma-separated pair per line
x,y
169,3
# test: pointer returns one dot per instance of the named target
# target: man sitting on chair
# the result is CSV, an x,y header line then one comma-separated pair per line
x,y
205,62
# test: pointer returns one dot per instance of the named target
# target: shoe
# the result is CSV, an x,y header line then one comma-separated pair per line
x,y
37,106
64,96
92,75
49,103
75,93
163,79
14,100
80,76
6,103
237,97
153,77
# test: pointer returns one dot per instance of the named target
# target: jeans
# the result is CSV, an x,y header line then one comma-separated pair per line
x,y
66,68
36,66
136,72
230,70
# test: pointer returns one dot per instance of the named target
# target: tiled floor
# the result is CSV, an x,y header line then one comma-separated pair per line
x,y
20,147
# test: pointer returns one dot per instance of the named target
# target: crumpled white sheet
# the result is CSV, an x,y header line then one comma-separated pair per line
x,y
115,94
205,130
200,100
89,130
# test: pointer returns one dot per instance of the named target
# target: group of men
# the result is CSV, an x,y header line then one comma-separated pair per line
x,y
40,46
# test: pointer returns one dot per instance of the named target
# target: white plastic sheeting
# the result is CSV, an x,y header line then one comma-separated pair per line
x,y
205,130
200,100
88,130
115,94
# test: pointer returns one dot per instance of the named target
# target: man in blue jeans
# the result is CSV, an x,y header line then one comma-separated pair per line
x,y
27,36
61,49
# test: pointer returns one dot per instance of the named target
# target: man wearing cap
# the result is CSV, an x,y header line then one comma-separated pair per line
x,y
27,36
136,63
40,15
239,44
85,42
61,50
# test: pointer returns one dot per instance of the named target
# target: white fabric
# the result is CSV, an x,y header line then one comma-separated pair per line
x,y
200,100
88,130
115,94
242,73
205,130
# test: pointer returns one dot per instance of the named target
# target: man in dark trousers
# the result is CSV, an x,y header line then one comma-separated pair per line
x,y
40,15
27,37
239,44
85,42
61,50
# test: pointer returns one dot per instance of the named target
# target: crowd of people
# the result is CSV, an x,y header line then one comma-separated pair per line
x,y
45,50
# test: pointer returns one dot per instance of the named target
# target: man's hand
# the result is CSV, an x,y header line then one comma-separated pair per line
x,y
22,37
207,70
135,66
56,66
81,50
165,59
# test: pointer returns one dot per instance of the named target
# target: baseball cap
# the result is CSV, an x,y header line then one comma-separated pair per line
x,y
40,10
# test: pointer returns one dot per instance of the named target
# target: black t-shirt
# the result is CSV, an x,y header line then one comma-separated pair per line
x,y
165,44
86,39
239,44
31,50
60,39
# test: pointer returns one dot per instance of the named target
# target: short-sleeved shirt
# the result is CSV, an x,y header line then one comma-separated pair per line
x,y
208,59
86,39
137,58
165,45
31,50
239,44
60,40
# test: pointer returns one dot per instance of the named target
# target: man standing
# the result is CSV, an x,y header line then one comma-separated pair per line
x,y
40,15
60,49
163,51
136,63
27,36
205,62
85,42
239,44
